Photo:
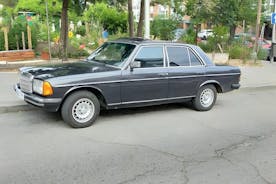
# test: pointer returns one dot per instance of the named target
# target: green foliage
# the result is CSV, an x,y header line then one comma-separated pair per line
x,y
219,37
15,34
117,35
206,46
163,28
262,54
189,37
109,17
6,14
80,30
39,7
43,32
2,41
237,51
200,11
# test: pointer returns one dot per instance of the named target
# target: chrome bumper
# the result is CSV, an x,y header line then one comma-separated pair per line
x,y
35,99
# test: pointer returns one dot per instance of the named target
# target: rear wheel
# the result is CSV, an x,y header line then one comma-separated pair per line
x,y
205,98
80,109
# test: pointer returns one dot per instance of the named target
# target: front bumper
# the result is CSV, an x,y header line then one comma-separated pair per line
x,y
49,104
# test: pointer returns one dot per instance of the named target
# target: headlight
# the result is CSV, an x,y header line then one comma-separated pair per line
x,y
42,87
38,86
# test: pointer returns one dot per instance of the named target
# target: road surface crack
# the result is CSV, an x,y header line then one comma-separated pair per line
x,y
259,173
136,177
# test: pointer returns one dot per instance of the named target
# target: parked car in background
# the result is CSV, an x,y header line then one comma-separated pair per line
x,y
245,36
128,72
204,34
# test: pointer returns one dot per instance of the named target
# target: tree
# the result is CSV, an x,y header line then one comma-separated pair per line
x,y
38,7
229,13
141,19
163,28
233,12
130,19
64,30
109,17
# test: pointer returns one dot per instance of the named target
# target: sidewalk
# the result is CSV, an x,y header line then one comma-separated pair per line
x,y
252,77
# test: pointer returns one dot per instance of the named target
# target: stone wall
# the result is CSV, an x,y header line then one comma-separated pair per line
x,y
17,55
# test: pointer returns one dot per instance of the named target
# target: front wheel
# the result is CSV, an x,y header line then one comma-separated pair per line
x,y
80,109
205,98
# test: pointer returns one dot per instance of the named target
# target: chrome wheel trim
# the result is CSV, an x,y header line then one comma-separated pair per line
x,y
83,110
207,97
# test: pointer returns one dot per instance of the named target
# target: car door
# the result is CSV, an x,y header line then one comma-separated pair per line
x,y
185,71
147,82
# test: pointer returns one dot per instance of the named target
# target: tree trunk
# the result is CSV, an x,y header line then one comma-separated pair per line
x,y
232,33
141,19
64,30
130,19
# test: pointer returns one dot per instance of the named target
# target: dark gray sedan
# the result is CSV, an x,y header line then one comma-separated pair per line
x,y
128,72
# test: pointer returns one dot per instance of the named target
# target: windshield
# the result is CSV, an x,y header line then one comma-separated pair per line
x,y
113,54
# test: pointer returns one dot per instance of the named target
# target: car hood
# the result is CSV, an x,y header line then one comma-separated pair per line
x,y
59,70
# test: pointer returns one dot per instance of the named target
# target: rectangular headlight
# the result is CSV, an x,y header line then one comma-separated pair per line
x,y
38,86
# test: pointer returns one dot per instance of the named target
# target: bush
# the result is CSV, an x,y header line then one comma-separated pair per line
x,y
81,30
219,37
110,18
262,54
189,37
15,33
206,47
237,51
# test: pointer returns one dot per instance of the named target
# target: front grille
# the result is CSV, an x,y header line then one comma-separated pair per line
x,y
25,82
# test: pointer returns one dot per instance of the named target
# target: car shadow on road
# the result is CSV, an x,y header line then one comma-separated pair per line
x,y
56,117
145,109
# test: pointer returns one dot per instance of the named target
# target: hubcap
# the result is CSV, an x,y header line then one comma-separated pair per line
x,y
207,97
83,110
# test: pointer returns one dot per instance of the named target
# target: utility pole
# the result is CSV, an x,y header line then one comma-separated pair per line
x,y
257,29
147,19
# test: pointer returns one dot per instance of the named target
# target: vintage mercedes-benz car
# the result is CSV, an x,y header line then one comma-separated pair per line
x,y
128,72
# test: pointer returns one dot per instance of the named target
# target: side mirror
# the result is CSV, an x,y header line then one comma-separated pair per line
x,y
135,64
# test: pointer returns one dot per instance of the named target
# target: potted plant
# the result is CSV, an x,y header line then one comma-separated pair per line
x,y
45,54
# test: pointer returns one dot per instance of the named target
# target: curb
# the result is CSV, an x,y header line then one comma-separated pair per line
x,y
16,108
264,87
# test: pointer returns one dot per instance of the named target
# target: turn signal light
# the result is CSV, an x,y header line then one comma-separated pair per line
x,y
47,89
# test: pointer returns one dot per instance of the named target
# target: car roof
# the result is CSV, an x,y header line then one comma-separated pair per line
x,y
142,41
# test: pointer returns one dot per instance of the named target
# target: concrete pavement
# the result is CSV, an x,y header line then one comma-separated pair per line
x,y
234,143
252,77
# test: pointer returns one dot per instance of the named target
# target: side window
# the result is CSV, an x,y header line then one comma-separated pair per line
x,y
194,60
178,56
150,56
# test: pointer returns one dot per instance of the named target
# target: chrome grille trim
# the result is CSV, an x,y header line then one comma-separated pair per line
x,y
26,82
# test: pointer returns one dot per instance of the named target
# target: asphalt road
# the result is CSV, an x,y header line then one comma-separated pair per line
x,y
232,143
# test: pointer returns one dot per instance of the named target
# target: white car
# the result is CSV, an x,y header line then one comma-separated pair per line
x,y
205,33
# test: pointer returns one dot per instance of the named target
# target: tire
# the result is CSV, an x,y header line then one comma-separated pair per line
x,y
205,98
80,109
